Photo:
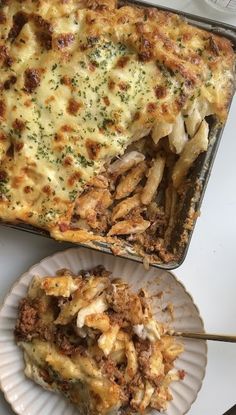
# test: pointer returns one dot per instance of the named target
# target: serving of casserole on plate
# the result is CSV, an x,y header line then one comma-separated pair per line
x,y
99,338
104,112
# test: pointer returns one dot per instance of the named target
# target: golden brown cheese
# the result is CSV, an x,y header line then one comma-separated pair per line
x,y
79,81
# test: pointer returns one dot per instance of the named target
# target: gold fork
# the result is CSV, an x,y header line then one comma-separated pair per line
x,y
205,336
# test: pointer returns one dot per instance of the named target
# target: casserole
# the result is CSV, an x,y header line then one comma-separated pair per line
x,y
104,132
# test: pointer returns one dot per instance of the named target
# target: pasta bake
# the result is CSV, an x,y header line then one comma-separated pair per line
x,y
104,111
91,338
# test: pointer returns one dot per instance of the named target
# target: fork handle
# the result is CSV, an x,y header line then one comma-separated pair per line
x,y
206,336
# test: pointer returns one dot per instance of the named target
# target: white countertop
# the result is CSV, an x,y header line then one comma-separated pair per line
x,y
208,271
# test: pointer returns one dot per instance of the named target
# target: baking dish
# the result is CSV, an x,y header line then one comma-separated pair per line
x,y
190,201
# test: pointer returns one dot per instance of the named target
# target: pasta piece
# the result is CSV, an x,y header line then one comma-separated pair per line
x,y
195,114
60,286
118,351
99,181
130,226
125,163
35,290
139,132
99,305
99,199
156,365
160,399
193,148
155,175
75,235
81,298
160,130
170,348
43,351
123,208
151,330
148,392
137,397
99,321
129,182
178,137
107,340
132,361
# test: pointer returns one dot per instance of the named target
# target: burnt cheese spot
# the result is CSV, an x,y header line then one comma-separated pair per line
x,y
19,20
139,27
28,189
3,175
66,128
10,151
136,116
18,146
9,82
122,61
46,189
98,5
90,42
68,161
50,99
93,149
92,67
123,19
32,79
3,18
58,137
111,84
181,100
160,91
2,108
123,86
106,101
73,106
3,137
213,47
66,80
151,107
45,40
75,177
149,13
146,50
45,30
64,40
5,57
18,125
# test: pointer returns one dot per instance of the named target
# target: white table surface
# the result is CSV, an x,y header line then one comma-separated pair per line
x,y
208,271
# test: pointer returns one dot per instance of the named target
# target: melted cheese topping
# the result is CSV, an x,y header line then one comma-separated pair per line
x,y
79,84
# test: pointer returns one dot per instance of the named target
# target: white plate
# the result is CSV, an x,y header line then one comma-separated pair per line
x,y
26,398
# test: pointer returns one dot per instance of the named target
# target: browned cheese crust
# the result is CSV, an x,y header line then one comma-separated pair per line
x,y
82,81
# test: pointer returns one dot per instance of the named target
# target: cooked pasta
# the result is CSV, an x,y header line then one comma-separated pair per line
x,y
99,344
94,96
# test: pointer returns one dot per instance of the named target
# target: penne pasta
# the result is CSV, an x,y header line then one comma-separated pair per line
x,y
193,148
155,175
125,163
129,182
160,130
195,114
130,226
94,198
123,208
178,136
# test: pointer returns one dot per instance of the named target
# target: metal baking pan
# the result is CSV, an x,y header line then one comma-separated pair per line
x,y
191,201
